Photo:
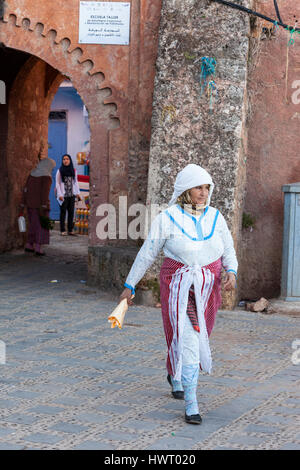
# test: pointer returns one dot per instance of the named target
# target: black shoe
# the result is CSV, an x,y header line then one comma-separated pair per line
x,y
179,395
193,419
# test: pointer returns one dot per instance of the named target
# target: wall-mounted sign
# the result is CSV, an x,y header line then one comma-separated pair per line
x,y
104,23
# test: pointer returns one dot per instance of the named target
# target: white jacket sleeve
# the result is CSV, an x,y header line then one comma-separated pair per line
x,y
148,252
229,259
58,183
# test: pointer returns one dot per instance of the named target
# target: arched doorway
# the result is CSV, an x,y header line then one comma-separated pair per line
x,y
14,61
32,84
30,89
68,132
116,84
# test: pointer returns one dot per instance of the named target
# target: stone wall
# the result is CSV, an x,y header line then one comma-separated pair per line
x,y
273,147
144,33
21,122
115,83
50,32
27,129
184,128
7,74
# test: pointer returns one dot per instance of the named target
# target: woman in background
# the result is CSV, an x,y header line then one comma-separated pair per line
x,y
36,200
67,189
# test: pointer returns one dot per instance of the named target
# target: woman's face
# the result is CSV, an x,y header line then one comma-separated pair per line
x,y
42,153
199,194
66,161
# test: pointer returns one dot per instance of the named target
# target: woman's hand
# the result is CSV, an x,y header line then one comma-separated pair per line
x,y
230,281
126,294
61,198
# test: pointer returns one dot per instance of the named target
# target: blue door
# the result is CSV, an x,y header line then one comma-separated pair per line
x,y
57,138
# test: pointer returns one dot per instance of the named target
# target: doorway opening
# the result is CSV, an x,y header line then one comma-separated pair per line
x,y
30,115
69,133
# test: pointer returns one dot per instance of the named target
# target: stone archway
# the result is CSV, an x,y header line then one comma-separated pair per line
x,y
30,97
51,60
116,84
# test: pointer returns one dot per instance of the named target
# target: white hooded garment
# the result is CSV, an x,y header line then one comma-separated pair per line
x,y
191,177
194,241
198,240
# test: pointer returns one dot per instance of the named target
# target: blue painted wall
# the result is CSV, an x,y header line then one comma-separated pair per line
x,y
57,139
78,130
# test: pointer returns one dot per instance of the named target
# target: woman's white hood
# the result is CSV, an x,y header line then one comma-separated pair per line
x,y
190,177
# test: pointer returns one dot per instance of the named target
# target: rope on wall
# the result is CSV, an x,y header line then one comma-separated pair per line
x,y
208,69
291,29
279,22
277,11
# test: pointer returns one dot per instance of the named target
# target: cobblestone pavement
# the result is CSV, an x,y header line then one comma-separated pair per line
x,y
72,382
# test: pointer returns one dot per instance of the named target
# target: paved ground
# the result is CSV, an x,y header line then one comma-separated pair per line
x,y
72,382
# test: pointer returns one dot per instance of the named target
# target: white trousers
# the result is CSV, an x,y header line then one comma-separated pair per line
x,y
191,338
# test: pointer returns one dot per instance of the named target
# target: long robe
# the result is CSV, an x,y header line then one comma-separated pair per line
x,y
172,315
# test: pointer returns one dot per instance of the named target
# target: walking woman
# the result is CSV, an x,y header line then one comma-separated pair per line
x,y
36,200
197,244
67,189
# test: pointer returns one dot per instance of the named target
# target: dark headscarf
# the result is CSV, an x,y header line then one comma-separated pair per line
x,y
67,170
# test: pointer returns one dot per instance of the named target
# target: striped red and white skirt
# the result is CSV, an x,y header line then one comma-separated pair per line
x,y
168,269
